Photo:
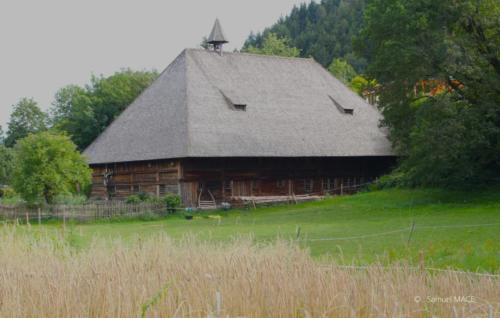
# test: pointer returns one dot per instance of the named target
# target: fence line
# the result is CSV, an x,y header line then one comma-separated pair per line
x,y
430,269
407,229
87,211
356,237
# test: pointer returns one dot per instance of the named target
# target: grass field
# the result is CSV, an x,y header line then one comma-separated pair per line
x,y
453,229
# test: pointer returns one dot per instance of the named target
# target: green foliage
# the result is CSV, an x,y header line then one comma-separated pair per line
x,y
6,164
141,197
273,45
204,43
84,113
322,30
70,199
48,165
26,118
359,84
452,138
161,294
2,136
172,201
7,192
342,70
445,144
133,199
64,102
393,180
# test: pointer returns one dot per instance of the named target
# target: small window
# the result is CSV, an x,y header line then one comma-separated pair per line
x,y
342,109
162,189
281,184
308,185
136,188
228,185
328,184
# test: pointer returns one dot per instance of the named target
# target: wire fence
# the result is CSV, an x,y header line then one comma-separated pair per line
x,y
429,269
409,229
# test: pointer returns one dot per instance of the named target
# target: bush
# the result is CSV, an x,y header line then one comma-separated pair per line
x,y
75,199
133,199
48,165
393,180
7,193
9,196
172,201
143,196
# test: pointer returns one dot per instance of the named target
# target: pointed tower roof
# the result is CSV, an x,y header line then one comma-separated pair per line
x,y
217,35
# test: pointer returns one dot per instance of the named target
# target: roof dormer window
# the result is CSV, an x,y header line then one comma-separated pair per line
x,y
234,101
240,106
342,109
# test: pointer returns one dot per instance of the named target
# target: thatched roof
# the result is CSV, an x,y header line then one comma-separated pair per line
x,y
242,105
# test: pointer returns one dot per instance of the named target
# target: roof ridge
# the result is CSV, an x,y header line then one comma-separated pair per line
x,y
252,54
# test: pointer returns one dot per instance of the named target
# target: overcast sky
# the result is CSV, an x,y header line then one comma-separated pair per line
x,y
47,44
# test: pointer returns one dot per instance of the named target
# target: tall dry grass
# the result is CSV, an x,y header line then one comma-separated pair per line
x,y
43,276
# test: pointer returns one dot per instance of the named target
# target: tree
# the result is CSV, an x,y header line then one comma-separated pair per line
x,y
204,43
83,113
342,70
273,45
47,165
26,118
63,103
450,138
321,29
2,136
6,164
361,84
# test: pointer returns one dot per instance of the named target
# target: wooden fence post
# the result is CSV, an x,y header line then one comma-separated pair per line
x,y
39,216
411,232
64,218
421,260
218,303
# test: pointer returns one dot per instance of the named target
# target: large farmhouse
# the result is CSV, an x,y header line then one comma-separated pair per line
x,y
219,126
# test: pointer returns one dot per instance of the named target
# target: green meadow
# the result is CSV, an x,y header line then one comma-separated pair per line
x,y
441,228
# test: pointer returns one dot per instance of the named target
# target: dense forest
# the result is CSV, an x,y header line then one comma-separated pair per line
x,y
321,30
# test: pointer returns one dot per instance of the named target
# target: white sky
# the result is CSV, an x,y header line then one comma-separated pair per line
x,y
45,45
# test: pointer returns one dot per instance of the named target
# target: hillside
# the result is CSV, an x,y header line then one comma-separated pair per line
x,y
322,30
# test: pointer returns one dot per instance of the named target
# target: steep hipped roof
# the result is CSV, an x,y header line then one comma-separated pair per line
x,y
292,108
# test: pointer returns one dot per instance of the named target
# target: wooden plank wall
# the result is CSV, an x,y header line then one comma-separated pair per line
x,y
232,177
125,179
227,178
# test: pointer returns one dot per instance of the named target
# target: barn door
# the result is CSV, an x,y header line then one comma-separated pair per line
x,y
189,193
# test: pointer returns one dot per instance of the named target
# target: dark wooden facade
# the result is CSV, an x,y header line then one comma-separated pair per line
x,y
224,179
